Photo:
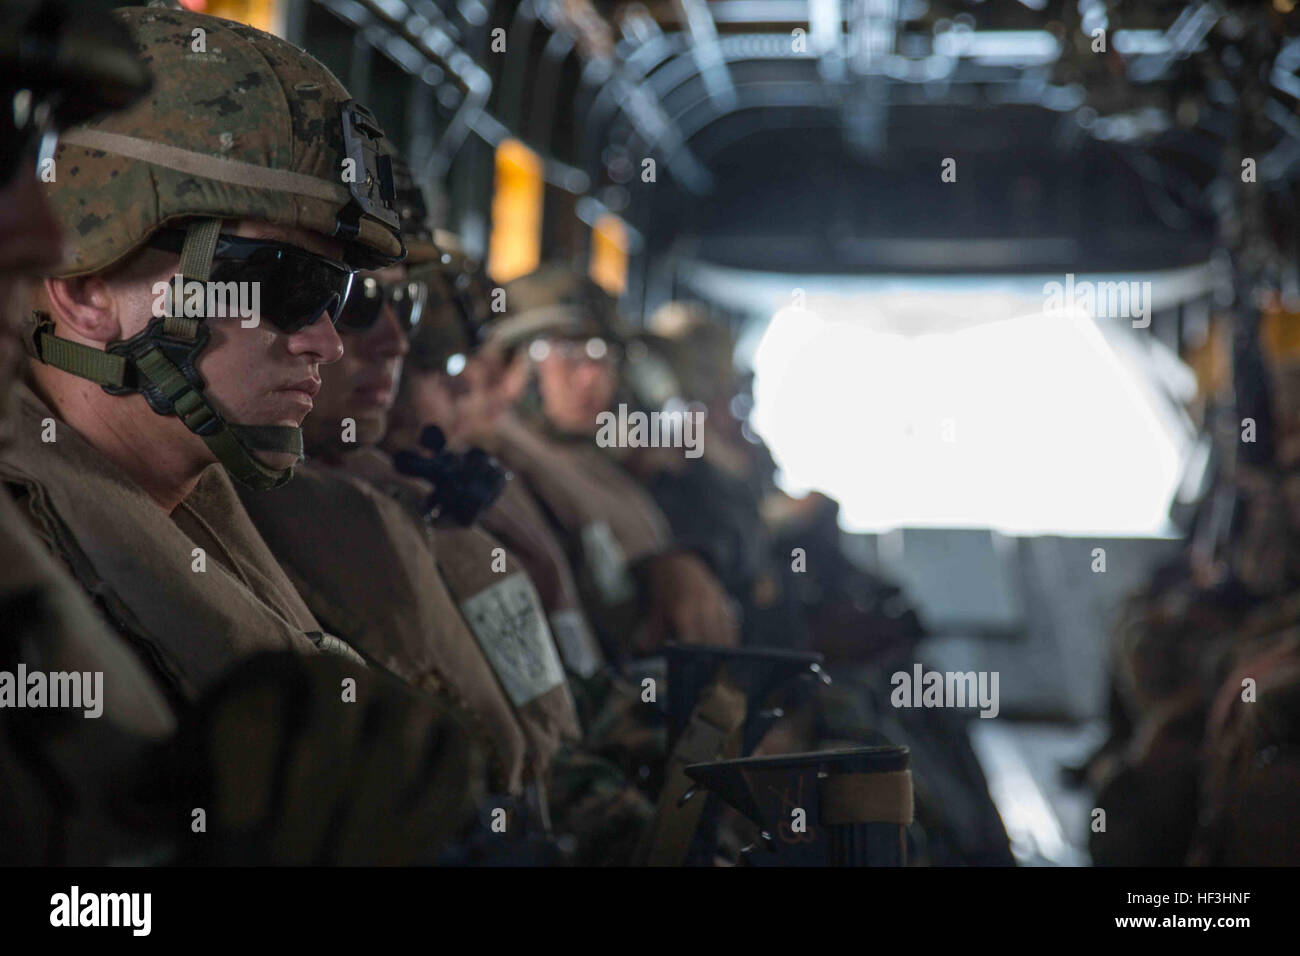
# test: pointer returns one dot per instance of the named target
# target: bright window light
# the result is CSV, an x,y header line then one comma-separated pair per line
x,y
1025,422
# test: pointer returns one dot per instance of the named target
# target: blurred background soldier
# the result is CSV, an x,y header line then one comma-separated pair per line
x,y
457,608
784,562
642,587
450,381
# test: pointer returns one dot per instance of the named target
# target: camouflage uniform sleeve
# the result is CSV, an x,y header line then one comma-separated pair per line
x,y
593,802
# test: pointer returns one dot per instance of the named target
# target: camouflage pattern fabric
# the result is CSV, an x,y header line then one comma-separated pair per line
x,y
622,728
138,561
591,801
212,141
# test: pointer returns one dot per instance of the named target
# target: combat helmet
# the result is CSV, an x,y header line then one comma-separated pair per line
x,y
554,301
698,348
453,319
240,125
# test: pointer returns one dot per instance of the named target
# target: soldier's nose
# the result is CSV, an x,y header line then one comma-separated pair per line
x,y
320,339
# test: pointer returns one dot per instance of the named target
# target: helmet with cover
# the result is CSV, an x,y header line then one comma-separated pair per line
x,y
556,302
452,320
239,125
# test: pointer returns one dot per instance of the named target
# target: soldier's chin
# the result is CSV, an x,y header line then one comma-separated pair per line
x,y
371,427
277,460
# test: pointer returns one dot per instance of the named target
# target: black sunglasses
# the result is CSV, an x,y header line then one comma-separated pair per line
x,y
27,117
295,287
406,297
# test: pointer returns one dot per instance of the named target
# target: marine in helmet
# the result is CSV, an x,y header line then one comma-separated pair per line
x,y
117,784
448,382
141,404
455,603
643,587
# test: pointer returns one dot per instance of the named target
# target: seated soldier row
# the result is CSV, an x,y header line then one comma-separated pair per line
x,y
196,757
495,630
127,412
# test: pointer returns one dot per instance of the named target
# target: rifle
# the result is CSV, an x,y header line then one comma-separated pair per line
x,y
715,697
832,808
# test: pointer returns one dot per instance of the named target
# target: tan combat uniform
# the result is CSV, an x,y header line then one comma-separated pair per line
x,y
143,565
590,797
608,523
517,521
49,625
362,560
486,578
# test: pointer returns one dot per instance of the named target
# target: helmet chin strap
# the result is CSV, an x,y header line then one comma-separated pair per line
x,y
160,363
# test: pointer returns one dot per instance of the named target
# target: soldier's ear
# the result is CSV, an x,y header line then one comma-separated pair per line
x,y
85,307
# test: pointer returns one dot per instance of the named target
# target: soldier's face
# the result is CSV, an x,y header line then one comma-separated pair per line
x,y
30,242
433,398
575,388
464,406
262,376
491,390
253,376
504,377
363,384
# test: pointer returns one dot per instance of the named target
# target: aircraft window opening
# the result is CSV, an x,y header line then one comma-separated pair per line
x,y
1028,423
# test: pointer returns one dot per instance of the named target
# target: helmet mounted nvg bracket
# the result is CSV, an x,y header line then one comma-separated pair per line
x,y
370,182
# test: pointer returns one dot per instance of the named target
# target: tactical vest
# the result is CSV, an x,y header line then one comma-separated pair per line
x,y
499,603
368,568
608,523
50,626
191,613
517,521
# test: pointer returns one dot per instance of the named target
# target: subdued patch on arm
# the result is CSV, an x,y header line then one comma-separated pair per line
x,y
576,642
510,625
607,563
